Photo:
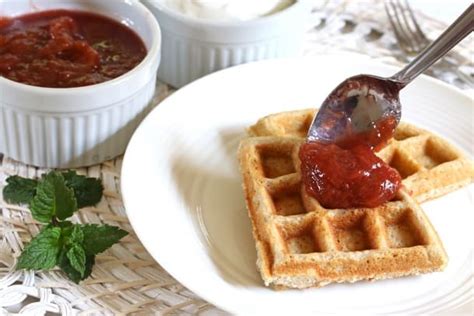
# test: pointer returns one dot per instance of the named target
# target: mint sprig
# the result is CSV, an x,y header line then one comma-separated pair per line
x,y
53,199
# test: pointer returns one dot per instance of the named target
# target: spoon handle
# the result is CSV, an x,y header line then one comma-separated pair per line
x,y
462,27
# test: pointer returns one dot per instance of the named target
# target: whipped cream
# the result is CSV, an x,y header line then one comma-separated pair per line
x,y
227,10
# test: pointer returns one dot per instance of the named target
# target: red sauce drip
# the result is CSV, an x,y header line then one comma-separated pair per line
x,y
62,49
350,174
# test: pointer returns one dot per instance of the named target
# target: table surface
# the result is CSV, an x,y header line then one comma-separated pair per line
x,y
126,279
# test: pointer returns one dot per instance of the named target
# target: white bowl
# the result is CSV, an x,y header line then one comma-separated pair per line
x,y
195,47
72,127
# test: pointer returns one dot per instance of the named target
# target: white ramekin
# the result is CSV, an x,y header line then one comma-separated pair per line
x,y
72,127
195,47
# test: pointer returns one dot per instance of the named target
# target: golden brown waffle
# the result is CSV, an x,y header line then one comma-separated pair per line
x,y
301,244
429,165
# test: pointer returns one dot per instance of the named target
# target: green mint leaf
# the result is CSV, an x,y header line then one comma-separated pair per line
x,y
19,190
77,258
42,252
88,191
98,238
53,198
77,236
73,274
71,233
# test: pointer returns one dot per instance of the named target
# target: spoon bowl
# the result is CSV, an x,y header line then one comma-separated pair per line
x,y
366,109
356,108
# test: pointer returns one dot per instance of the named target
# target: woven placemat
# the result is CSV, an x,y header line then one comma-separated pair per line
x,y
126,279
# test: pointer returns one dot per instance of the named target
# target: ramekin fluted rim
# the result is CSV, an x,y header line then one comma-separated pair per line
x,y
199,22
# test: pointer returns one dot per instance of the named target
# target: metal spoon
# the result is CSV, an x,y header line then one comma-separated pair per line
x,y
368,107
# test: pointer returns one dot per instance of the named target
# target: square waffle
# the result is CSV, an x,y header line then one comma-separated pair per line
x,y
302,244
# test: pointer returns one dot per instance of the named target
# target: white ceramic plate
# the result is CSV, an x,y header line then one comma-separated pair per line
x,y
182,189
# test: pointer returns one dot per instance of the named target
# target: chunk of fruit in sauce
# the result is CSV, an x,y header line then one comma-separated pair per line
x,y
345,178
